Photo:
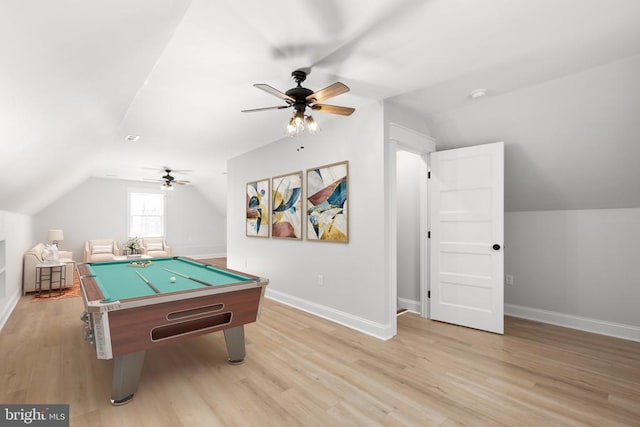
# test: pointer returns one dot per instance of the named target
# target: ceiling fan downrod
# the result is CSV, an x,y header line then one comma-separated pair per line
x,y
299,76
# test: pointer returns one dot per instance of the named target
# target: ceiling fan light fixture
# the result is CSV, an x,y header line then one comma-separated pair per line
x,y
167,186
300,122
312,125
291,127
296,124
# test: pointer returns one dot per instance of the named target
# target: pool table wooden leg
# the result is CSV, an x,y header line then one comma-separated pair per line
x,y
234,338
126,375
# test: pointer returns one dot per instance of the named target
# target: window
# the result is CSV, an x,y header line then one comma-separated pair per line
x,y
146,214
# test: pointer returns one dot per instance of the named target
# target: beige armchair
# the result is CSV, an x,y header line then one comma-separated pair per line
x,y
34,257
155,247
100,250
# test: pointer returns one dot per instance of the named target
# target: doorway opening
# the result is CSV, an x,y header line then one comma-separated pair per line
x,y
417,145
410,171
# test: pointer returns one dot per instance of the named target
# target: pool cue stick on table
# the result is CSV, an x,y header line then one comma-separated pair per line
x,y
156,290
188,277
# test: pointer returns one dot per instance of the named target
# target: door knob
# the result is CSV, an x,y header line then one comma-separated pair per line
x,y
496,247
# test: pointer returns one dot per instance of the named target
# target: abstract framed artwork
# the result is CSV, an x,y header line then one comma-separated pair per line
x,y
286,206
327,200
257,209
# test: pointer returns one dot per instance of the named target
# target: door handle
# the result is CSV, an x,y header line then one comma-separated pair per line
x,y
496,247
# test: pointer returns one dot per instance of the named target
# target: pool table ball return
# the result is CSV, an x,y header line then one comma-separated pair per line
x,y
134,306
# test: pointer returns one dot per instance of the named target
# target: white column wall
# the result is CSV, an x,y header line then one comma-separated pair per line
x,y
355,291
16,231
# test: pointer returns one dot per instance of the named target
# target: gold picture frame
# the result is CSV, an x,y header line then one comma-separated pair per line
x,y
286,206
327,216
257,216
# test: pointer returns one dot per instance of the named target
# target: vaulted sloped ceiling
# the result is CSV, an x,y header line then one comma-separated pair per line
x,y
70,71
570,143
77,77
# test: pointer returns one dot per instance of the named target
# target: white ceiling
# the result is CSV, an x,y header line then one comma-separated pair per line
x,y
77,77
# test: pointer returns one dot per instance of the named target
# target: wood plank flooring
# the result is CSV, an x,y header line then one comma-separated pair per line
x,y
305,371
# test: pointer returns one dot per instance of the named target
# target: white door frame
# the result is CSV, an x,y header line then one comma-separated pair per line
x,y
403,138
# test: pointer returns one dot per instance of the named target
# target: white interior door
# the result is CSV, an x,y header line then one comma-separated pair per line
x,y
467,215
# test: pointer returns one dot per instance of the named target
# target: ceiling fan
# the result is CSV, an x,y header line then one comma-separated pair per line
x,y
168,180
299,98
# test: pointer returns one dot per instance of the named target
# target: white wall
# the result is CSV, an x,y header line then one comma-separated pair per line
x,y
16,231
98,209
407,118
355,291
576,263
570,143
408,219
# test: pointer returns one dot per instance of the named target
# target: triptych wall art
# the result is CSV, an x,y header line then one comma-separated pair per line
x,y
279,212
258,208
286,206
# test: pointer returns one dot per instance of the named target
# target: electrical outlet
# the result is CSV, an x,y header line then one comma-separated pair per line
x,y
320,280
509,279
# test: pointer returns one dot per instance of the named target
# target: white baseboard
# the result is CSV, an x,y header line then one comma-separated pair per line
x,y
12,301
408,304
377,330
205,256
617,330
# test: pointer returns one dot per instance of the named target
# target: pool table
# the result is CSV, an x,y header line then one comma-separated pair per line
x,y
135,305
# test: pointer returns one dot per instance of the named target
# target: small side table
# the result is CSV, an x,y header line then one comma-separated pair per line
x,y
47,273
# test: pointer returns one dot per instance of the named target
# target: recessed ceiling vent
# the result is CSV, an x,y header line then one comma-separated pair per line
x,y
478,93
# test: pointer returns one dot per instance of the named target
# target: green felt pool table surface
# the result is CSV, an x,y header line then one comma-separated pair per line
x,y
119,279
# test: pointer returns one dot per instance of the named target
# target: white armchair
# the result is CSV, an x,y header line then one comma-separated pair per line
x,y
100,250
156,247
33,257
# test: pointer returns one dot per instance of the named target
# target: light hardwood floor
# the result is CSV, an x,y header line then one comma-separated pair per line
x,y
305,371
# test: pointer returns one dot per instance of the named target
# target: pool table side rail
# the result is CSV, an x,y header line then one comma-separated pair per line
x,y
238,275
90,289
155,325
227,269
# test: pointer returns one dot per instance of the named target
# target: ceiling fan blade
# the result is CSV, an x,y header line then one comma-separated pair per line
x,y
177,170
280,107
181,182
328,92
385,20
333,109
153,180
166,168
275,92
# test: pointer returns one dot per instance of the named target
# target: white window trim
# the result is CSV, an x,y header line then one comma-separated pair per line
x,y
150,191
